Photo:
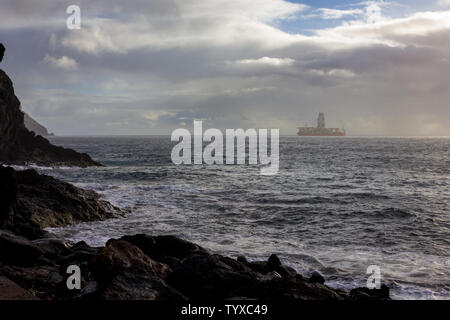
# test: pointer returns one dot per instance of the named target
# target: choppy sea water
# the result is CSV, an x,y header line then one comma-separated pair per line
x,y
337,205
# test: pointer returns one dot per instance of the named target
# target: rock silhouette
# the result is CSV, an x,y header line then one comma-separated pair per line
x,y
2,51
35,126
20,146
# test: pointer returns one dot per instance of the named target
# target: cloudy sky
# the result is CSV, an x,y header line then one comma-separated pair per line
x,y
151,66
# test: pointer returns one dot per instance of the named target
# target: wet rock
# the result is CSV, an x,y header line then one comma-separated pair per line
x,y
82,246
89,291
164,246
80,252
272,265
125,272
118,256
364,293
296,288
139,283
50,202
286,271
271,276
274,262
42,281
16,250
212,277
260,267
242,259
52,248
33,201
316,277
10,290
8,195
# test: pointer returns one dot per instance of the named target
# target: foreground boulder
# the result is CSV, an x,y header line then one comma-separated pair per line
x,y
124,272
211,276
18,145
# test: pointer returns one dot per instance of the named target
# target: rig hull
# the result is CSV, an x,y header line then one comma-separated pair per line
x,y
322,134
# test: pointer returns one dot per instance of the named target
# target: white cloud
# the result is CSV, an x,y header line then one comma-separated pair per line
x,y
342,73
64,62
266,61
95,40
194,23
394,32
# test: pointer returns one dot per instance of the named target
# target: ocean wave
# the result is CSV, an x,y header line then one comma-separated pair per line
x,y
40,168
362,195
395,213
287,201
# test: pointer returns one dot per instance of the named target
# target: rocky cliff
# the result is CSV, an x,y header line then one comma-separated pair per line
x,y
18,145
2,51
35,126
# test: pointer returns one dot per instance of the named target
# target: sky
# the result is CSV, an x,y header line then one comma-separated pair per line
x,y
152,66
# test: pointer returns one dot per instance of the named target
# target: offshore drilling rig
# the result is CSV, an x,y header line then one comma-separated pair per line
x,y
320,130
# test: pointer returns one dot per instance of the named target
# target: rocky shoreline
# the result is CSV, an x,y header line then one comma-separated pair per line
x,y
33,263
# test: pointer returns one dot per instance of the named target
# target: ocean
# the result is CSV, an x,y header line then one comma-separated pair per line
x,y
337,205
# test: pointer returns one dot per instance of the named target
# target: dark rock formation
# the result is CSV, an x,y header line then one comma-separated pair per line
x,y
2,51
165,248
370,294
122,270
32,201
316,277
12,291
274,262
17,250
18,145
34,126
